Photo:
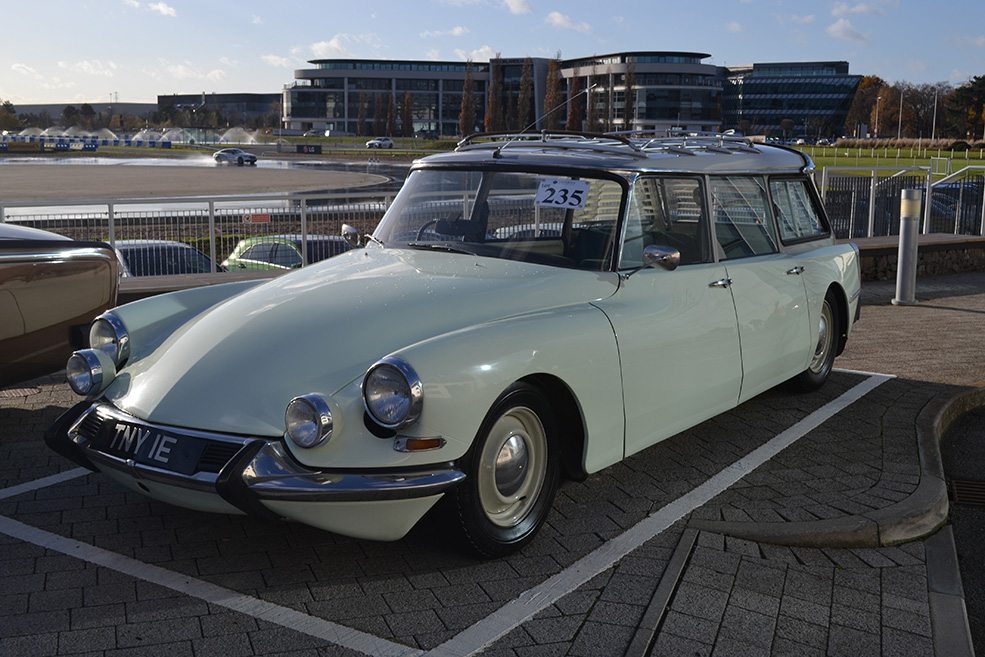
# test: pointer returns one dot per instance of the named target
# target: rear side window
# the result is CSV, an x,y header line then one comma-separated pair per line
x,y
743,226
796,214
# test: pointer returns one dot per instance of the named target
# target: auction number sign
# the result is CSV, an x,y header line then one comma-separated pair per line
x,y
562,193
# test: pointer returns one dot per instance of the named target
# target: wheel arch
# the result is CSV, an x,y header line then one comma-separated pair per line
x,y
570,423
841,308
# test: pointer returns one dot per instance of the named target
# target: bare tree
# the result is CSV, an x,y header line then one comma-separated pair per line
x,y
494,121
466,117
576,106
552,95
629,95
407,116
524,102
361,116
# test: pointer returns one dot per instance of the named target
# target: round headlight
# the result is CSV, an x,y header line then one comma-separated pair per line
x,y
393,393
85,372
108,334
308,420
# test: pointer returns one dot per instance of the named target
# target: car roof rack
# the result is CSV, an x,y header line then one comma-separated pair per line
x,y
634,143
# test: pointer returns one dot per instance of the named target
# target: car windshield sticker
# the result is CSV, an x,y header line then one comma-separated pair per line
x,y
563,193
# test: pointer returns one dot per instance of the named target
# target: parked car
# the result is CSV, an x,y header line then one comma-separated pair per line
x,y
51,287
282,251
160,258
380,142
453,359
234,156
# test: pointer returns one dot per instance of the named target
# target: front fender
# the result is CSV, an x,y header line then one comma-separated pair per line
x,y
151,320
465,371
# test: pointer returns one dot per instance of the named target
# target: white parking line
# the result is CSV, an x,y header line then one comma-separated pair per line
x,y
283,616
515,613
484,632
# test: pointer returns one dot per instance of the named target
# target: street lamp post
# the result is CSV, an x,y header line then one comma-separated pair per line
x,y
899,123
878,98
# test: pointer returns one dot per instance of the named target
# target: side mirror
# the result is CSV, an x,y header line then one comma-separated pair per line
x,y
350,235
664,257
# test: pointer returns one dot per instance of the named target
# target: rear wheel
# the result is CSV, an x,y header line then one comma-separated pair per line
x,y
824,350
512,474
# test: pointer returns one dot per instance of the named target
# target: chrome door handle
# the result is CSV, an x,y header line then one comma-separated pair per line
x,y
725,282
796,270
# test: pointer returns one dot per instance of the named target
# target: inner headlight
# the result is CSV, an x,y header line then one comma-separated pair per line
x,y
308,420
393,393
89,371
108,334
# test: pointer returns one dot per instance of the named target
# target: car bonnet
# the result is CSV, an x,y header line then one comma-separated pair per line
x,y
235,368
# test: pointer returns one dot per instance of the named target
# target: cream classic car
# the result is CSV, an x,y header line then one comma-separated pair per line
x,y
512,319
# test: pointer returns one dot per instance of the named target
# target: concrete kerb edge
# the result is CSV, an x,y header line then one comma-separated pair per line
x,y
921,514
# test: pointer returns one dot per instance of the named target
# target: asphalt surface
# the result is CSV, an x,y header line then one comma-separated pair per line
x,y
795,524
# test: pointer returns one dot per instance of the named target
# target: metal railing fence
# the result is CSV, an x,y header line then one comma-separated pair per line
x,y
864,201
212,225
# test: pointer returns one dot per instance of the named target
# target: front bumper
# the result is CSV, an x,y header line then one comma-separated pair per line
x,y
255,476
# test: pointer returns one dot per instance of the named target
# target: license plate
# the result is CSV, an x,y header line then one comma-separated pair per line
x,y
151,446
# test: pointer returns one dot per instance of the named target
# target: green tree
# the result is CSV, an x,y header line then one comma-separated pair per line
x,y
964,108
863,105
70,115
8,117
466,117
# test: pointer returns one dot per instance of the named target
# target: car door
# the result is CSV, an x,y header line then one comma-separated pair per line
x,y
767,288
676,330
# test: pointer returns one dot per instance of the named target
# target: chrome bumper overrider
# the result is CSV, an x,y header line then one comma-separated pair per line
x,y
243,471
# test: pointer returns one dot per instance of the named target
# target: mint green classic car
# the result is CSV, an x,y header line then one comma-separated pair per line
x,y
528,308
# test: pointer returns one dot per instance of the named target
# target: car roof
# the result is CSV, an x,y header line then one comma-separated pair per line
x,y
131,244
291,238
14,232
689,153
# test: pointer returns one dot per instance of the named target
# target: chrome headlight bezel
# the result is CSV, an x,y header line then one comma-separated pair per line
x,y
393,394
308,421
89,371
108,334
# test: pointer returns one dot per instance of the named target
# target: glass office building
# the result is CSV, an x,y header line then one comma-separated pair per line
x,y
669,90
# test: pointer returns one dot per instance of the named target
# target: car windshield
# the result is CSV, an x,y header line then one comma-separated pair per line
x,y
536,217
164,260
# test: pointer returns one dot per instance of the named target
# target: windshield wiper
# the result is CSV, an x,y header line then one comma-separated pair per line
x,y
440,246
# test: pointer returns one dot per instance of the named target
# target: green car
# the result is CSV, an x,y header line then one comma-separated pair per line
x,y
282,251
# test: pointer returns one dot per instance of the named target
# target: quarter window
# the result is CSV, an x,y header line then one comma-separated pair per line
x,y
666,211
796,214
743,226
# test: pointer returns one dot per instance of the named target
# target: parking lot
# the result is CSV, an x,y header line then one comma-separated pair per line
x,y
795,524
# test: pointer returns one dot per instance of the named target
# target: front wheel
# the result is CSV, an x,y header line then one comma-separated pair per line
x,y
824,350
512,469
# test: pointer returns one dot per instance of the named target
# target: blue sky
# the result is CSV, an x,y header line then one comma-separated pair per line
x,y
133,50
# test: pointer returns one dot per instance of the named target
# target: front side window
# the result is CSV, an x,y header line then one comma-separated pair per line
x,y
562,220
796,214
666,211
743,226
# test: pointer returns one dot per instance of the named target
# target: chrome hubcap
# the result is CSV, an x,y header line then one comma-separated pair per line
x,y
825,339
512,466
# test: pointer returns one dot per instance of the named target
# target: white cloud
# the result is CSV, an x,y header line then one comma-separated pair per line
x,y
796,19
962,41
94,67
483,54
332,48
131,3
844,30
231,63
862,8
432,54
257,20
518,6
734,27
455,31
188,71
278,61
557,19
163,9
24,69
